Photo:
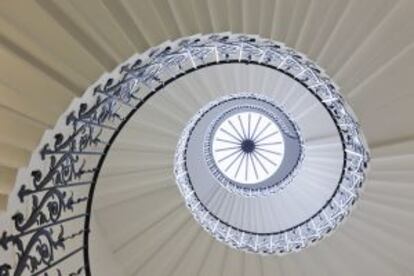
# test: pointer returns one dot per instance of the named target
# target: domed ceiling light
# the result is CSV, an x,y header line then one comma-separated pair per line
x,y
247,164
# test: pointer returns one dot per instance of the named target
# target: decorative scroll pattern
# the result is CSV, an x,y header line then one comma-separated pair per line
x,y
63,171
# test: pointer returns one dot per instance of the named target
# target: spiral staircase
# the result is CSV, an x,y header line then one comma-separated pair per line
x,y
53,51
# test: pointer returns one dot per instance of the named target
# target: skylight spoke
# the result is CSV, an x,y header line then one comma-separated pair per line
x,y
226,149
247,167
236,130
240,164
253,165
260,163
255,128
249,118
263,130
242,127
267,159
269,151
234,161
229,134
267,136
228,156
227,141
268,144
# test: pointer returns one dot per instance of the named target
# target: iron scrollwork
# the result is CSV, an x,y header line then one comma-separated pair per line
x,y
72,157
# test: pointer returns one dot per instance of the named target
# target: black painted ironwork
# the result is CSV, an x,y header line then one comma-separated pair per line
x,y
64,176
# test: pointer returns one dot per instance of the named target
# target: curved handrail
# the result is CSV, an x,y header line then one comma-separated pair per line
x,y
50,207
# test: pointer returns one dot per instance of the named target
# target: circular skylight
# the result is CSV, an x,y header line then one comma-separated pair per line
x,y
248,147
243,139
275,164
